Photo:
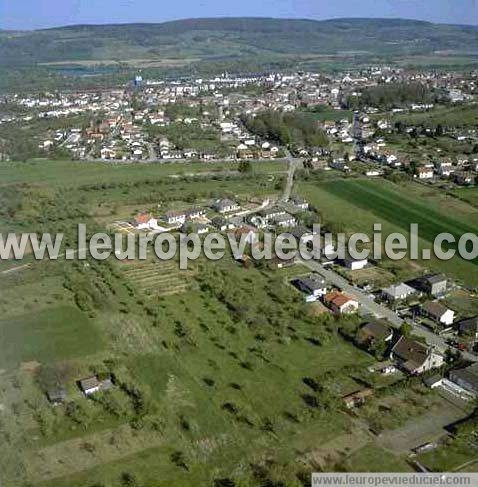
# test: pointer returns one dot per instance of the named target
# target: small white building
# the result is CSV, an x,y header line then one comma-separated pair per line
x,y
355,264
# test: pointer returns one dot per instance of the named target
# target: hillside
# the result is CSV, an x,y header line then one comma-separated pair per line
x,y
233,38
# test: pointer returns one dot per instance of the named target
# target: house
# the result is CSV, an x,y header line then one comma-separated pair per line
x,y
92,384
357,398
397,292
415,357
257,221
435,285
375,332
434,381
194,227
145,221
313,285
175,217
246,152
269,214
302,234
107,153
300,203
284,221
424,172
445,169
56,396
179,217
355,264
466,378
341,303
193,213
225,206
463,178
469,327
222,224
438,313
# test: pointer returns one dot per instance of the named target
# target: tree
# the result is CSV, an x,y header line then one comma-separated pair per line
x,y
406,330
245,167
128,479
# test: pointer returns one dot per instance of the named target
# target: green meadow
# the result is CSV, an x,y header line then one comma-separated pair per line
x,y
357,204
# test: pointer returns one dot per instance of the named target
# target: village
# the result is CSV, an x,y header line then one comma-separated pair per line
x,y
203,120
245,155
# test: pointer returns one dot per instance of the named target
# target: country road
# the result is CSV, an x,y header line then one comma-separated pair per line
x,y
293,165
15,269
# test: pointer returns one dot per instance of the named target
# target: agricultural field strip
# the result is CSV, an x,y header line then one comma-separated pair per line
x,y
397,209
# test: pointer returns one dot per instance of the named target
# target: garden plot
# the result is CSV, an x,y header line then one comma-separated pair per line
x,y
157,278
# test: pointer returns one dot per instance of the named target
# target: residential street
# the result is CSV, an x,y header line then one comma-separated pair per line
x,y
368,303
380,310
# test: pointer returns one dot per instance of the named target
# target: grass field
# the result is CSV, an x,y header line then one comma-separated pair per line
x,y
460,116
50,335
357,204
223,372
66,173
376,460
469,195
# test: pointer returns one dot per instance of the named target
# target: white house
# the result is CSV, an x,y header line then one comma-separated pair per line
x,y
285,221
175,217
145,221
314,286
444,169
225,206
355,264
438,313
90,385
425,172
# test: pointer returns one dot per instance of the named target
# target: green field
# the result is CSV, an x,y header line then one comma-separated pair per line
x,y
328,114
67,173
222,370
356,204
50,335
460,116
470,195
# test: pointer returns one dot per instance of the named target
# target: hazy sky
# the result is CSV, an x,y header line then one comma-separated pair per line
x,y
28,14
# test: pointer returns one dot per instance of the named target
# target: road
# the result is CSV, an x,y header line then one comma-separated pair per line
x,y
293,165
15,269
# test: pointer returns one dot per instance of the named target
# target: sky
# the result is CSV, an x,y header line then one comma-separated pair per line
x,y
32,14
